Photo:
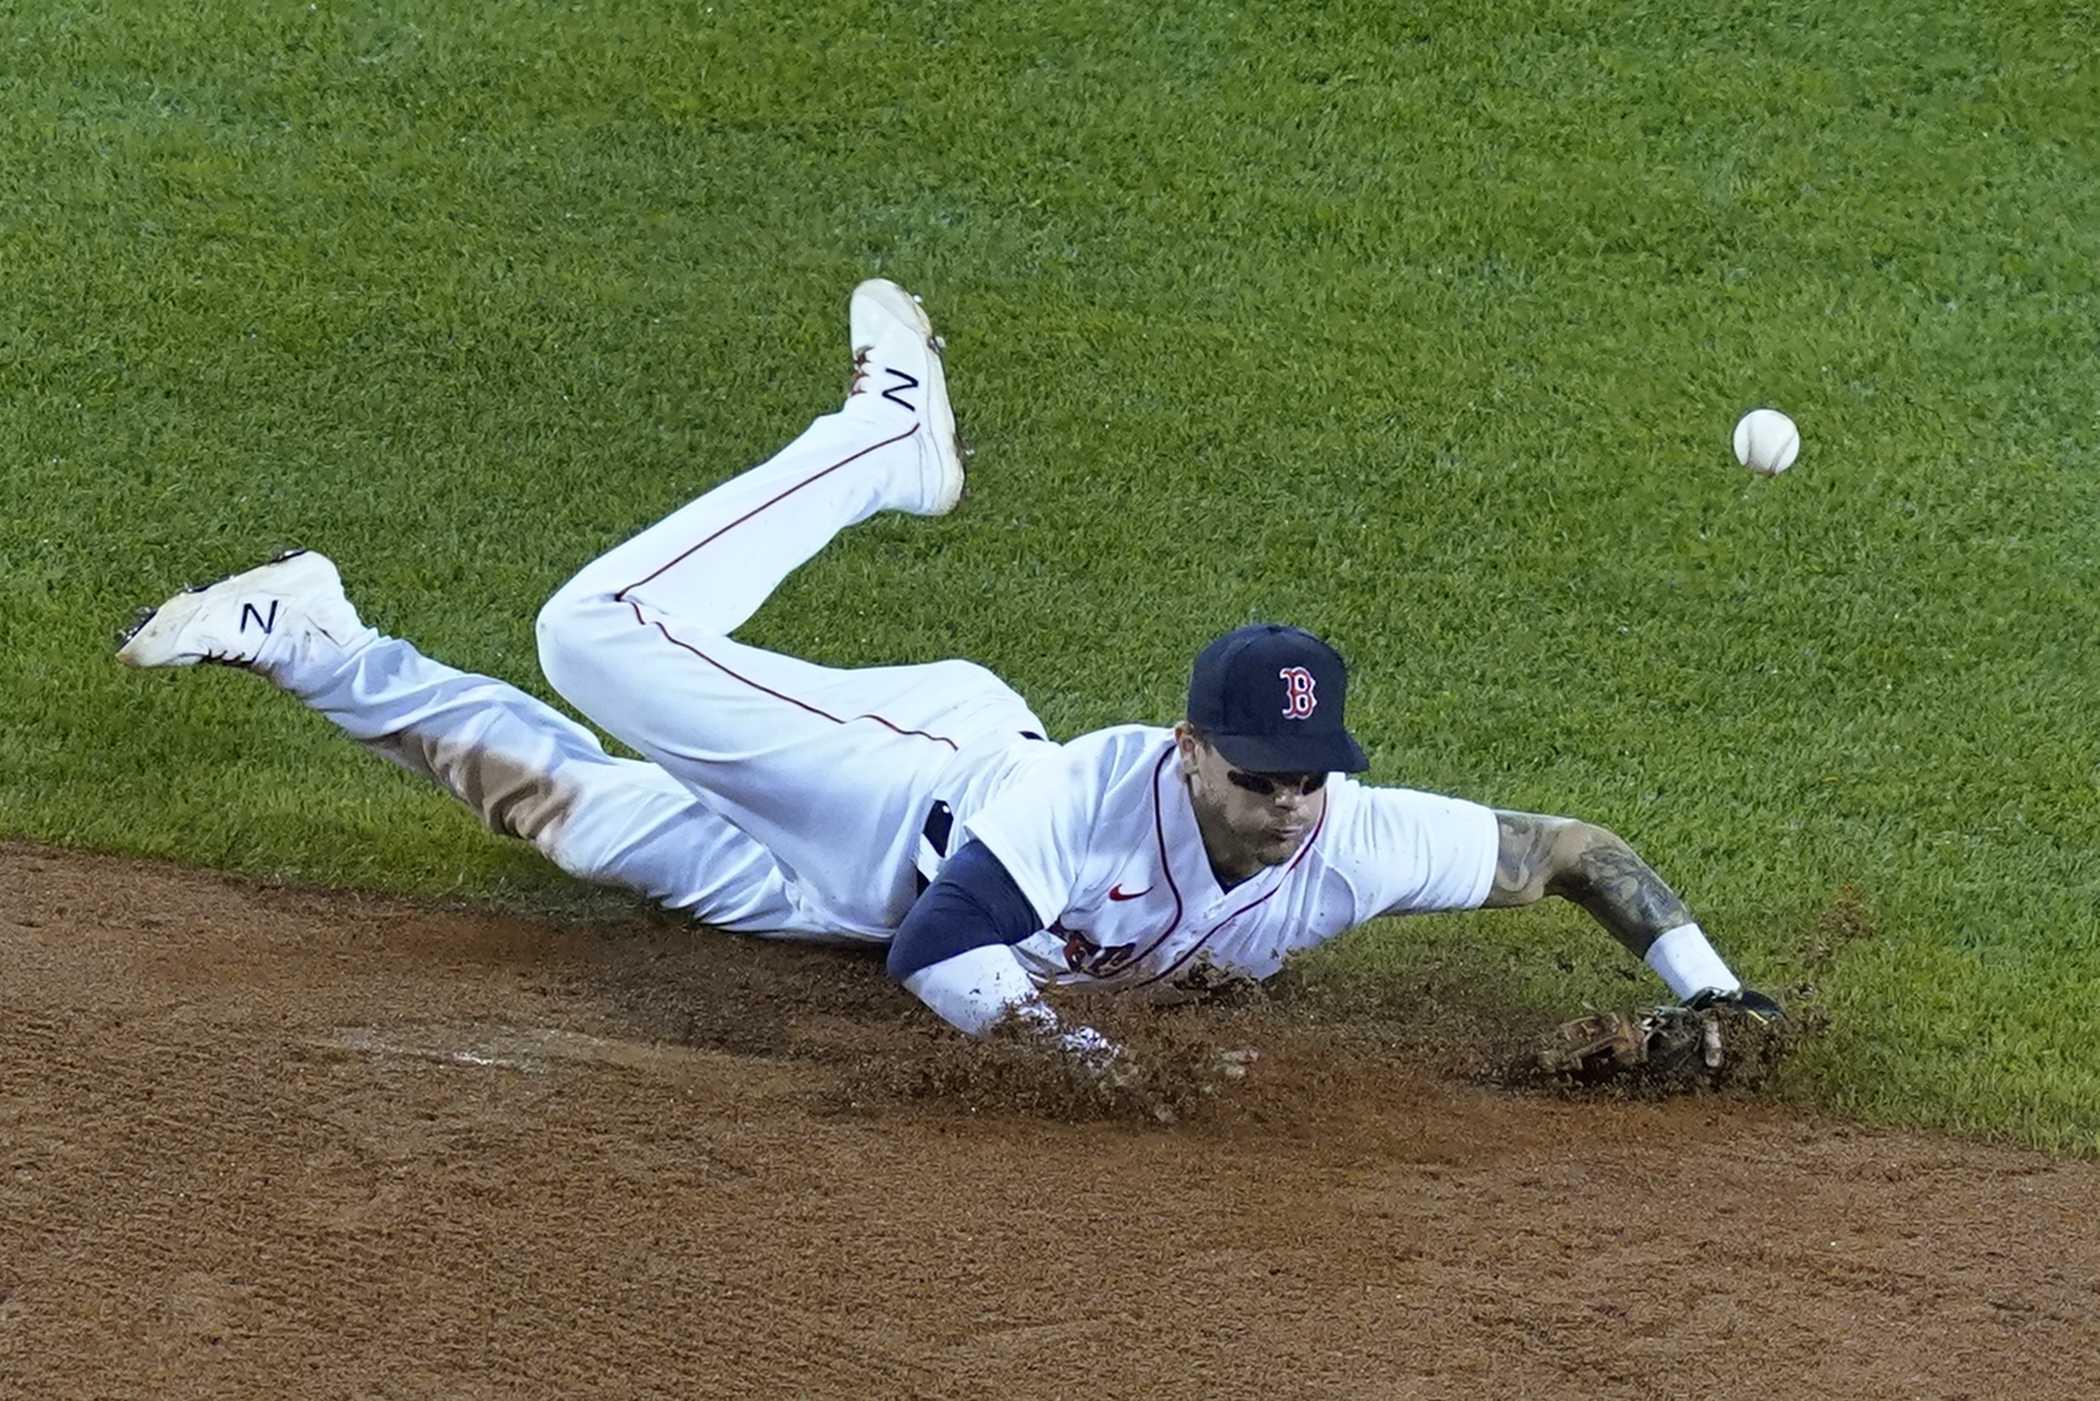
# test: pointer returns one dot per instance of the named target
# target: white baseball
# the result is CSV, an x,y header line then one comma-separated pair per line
x,y
1767,442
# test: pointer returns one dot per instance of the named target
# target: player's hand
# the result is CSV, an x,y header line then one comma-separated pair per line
x,y
1112,1067
1168,1091
1164,1090
1087,1048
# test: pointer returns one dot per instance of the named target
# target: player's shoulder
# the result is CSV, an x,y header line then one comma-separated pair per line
x,y
1402,850
1375,808
1112,760
1355,790
1121,746
1088,779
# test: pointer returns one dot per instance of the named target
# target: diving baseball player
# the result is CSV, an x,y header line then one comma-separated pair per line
x,y
919,805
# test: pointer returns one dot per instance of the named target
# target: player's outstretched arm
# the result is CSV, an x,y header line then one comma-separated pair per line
x,y
1595,868
1585,863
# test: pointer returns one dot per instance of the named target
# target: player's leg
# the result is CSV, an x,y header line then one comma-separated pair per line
x,y
523,768
828,769
832,771
528,771
892,446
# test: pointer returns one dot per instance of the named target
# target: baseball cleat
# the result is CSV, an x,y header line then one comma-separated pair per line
x,y
258,619
897,359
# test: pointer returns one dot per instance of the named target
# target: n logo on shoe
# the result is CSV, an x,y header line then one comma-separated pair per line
x,y
891,393
248,610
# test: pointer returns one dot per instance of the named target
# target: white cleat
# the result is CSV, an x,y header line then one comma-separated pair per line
x,y
264,619
897,359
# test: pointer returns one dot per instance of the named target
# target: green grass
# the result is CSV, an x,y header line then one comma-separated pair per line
x,y
1423,329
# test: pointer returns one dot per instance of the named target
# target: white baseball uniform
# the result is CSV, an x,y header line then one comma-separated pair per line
x,y
781,797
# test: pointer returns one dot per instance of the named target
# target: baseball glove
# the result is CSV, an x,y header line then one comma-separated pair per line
x,y
1711,1041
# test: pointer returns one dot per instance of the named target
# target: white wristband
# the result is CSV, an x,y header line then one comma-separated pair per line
x,y
1688,963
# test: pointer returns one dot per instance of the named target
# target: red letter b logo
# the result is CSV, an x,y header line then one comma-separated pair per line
x,y
1298,692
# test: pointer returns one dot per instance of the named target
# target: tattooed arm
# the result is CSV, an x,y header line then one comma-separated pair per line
x,y
1579,861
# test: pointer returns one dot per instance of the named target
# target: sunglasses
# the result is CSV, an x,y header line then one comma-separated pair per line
x,y
1265,785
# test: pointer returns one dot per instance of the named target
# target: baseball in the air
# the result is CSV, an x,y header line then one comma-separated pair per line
x,y
1767,442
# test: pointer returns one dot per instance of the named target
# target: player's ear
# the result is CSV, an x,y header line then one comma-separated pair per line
x,y
1186,742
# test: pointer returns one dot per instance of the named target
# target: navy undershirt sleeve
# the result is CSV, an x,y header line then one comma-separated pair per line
x,y
973,902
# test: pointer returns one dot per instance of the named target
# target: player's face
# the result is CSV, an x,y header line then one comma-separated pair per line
x,y
1248,820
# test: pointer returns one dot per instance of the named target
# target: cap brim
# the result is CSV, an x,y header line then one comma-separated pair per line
x,y
1334,752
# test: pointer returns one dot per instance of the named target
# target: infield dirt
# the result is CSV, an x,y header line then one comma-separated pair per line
x,y
269,1142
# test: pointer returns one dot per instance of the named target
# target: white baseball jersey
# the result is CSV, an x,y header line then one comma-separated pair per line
x,y
1101,838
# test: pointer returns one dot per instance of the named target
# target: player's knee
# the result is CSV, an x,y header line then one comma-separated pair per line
x,y
588,863
556,631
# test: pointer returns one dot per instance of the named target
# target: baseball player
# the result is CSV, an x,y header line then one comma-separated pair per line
x,y
920,806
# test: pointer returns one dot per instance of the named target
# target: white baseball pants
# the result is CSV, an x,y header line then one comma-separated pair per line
x,y
526,770
780,797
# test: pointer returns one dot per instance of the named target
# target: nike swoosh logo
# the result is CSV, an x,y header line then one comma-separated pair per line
x,y
1118,893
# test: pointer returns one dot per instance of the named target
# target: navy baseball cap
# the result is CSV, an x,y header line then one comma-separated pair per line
x,y
1269,698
